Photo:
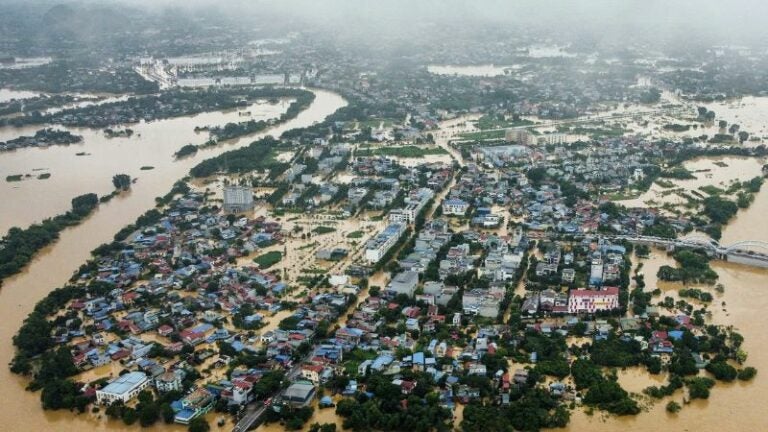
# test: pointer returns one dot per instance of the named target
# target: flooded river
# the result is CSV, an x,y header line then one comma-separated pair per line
x,y
89,166
55,265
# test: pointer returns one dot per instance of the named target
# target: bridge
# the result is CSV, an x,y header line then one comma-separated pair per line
x,y
748,252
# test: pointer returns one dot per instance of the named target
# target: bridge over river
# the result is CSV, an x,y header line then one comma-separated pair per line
x,y
748,252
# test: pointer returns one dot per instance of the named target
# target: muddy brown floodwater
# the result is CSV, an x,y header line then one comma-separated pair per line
x,y
731,407
53,267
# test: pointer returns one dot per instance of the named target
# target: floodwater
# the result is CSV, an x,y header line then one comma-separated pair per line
x,y
718,171
7,95
53,266
735,406
152,145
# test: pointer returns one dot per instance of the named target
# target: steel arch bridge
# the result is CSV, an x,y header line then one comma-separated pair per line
x,y
747,246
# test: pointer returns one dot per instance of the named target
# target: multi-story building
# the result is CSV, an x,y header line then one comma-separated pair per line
x,y
238,199
378,246
591,301
414,204
169,381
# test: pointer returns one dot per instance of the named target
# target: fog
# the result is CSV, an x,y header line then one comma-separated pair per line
x,y
670,26
733,21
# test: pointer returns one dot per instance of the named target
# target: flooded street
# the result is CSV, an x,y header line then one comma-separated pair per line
x,y
54,265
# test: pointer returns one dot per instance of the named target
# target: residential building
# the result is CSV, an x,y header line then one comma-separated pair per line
x,y
378,246
123,388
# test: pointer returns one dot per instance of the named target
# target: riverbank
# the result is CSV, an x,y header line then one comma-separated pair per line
x,y
55,264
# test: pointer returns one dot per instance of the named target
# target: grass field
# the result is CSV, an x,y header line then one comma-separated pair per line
x,y
268,259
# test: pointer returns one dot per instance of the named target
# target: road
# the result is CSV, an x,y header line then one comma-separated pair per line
x,y
256,409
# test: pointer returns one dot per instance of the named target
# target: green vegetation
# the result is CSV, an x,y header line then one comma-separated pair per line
x,y
268,259
673,407
484,135
121,181
185,150
62,76
323,230
19,246
719,210
747,373
421,412
401,151
355,235
693,267
293,418
677,127
257,156
698,387
42,137
678,173
722,371
696,294
533,411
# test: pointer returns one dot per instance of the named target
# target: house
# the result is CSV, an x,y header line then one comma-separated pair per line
x,y
312,373
123,388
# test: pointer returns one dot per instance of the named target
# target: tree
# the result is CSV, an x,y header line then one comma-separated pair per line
x,y
121,181
673,407
149,414
743,136
199,424
747,373
722,370
167,413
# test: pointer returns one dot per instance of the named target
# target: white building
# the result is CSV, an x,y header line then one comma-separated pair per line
x,y
169,381
589,301
378,246
415,203
123,389
455,207
238,199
